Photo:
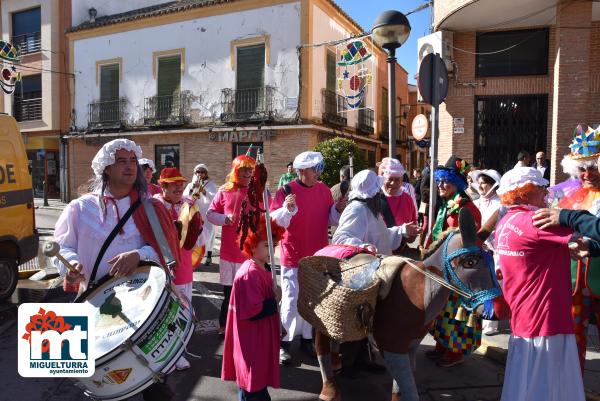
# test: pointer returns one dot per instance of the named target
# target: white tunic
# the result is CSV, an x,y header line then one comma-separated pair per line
x,y
358,226
83,227
208,229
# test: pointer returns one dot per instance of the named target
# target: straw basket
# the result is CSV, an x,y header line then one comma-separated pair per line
x,y
342,313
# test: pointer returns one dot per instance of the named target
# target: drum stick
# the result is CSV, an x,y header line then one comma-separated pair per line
x,y
51,248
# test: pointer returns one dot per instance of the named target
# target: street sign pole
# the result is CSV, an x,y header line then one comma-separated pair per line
x,y
433,149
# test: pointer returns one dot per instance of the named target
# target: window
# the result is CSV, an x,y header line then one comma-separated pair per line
x,y
26,27
250,67
169,76
109,82
371,158
331,72
27,104
528,57
166,156
240,148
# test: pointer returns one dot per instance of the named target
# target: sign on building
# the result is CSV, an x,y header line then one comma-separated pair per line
x,y
354,71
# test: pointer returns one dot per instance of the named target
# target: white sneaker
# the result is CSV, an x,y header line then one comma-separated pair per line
x,y
182,364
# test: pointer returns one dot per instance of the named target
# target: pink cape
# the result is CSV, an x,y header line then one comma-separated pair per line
x,y
251,349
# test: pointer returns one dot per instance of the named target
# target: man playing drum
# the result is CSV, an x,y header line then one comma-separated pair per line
x,y
85,224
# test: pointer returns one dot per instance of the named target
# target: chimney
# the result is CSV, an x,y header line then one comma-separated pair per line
x,y
92,12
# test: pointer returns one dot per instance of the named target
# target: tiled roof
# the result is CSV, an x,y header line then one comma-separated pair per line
x,y
169,8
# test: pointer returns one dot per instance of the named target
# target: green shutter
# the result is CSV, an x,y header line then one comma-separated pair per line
x,y
109,82
169,75
250,67
331,73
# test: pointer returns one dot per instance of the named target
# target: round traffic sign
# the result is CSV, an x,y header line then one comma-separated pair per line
x,y
433,79
419,127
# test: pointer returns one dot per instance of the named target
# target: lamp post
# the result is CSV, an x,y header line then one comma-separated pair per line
x,y
390,31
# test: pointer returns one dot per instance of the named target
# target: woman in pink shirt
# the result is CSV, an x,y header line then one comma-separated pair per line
x,y
542,355
225,211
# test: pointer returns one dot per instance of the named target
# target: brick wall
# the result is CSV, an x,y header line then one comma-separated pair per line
x,y
194,148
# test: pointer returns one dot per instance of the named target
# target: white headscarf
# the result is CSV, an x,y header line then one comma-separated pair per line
x,y
307,160
365,185
391,168
106,155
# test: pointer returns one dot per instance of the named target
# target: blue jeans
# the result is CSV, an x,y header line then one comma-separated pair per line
x,y
262,395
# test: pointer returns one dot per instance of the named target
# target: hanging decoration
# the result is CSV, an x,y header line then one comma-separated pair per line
x,y
9,76
354,74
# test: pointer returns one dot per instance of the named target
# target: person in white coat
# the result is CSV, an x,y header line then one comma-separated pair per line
x,y
204,190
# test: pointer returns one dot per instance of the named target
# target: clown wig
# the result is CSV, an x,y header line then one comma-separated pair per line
x,y
450,176
518,196
232,178
254,238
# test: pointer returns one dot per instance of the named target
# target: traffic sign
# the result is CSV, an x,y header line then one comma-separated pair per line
x,y
433,70
419,127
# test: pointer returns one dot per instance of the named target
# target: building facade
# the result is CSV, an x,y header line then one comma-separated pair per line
x,y
41,99
201,81
522,78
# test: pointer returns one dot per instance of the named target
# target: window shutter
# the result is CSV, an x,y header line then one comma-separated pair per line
x,y
250,67
109,82
169,76
331,78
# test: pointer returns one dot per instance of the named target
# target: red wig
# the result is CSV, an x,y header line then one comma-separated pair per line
x,y
518,196
239,162
254,238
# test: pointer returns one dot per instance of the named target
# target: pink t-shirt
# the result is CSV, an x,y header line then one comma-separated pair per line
x,y
251,348
230,202
307,232
536,275
403,208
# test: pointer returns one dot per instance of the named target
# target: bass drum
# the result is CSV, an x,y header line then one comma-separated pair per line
x,y
142,328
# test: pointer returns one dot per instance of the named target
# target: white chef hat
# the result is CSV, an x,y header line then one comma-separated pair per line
x,y
365,185
200,166
390,167
519,177
309,159
106,155
147,162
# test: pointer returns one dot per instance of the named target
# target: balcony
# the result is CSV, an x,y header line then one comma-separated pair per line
x,y
28,43
334,105
247,105
27,109
167,110
107,115
365,121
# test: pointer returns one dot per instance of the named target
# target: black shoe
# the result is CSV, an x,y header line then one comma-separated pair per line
x,y
285,358
308,347
348,372
208,261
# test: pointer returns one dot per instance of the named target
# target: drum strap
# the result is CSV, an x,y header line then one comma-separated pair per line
x,y
110,239
170,261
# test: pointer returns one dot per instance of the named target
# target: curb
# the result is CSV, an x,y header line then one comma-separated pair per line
x,y
493,352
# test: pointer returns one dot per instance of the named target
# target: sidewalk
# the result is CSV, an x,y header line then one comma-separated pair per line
x,y
496,348
53,204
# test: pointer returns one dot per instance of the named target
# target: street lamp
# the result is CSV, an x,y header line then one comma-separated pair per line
x,y
390,31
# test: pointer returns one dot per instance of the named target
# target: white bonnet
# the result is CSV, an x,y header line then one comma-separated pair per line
x,y
147,162
106,155
307,160
520,176
201,166
365,185
391,168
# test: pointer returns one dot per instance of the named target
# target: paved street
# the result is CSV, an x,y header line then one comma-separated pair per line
x,y
479,378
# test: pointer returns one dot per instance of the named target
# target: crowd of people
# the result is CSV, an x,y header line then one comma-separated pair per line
x,y
545,258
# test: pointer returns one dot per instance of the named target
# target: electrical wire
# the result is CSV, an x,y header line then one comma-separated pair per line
x,y
47,70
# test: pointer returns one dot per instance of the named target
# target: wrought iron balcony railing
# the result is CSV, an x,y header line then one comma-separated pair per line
x,y
256,104
27,109
28,42
365,121
333,107
167,110
106,115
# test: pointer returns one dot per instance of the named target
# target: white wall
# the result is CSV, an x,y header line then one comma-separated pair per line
x,y
106,7
207,59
